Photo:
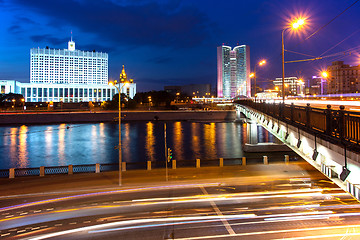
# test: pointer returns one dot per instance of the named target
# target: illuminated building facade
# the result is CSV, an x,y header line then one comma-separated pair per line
x,y
293,86
67,75
233,70
343,78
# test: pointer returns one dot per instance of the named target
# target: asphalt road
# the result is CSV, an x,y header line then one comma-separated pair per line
x,y
275,201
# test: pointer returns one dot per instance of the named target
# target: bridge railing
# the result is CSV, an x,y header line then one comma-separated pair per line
x,y
105,167
338,126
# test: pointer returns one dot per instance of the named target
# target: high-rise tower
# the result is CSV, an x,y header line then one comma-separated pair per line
x,y
233,69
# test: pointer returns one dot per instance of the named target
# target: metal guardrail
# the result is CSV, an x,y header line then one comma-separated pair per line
x,y
338,126
96,168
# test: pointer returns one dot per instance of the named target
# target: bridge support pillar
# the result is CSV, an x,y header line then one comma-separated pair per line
x,y
252,133
266,161
221,163
70,169
97,168
12,173
148,165
174,164
197,163
42,171
287,159
123,166
243,161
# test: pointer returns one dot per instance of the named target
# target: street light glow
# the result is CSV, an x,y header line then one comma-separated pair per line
x,y
297,23
324,74
262,62
251,75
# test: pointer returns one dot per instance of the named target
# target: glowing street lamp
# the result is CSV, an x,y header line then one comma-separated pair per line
x,y
253,75
296,24
119,147
324,74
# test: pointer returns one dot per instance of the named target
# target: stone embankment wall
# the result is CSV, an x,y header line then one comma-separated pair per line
x,y
79,117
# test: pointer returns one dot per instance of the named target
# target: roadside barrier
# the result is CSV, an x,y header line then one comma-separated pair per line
x,y
148,165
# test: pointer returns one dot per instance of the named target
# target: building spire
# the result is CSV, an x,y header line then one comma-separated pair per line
x,y
71,43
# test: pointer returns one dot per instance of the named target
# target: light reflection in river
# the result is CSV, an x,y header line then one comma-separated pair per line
x,y
61,144
150,142
195,132
13,144
178,141
54,145
23,155
210,138
126,139
48,141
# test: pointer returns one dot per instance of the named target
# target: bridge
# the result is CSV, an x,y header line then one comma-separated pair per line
x,y
327,138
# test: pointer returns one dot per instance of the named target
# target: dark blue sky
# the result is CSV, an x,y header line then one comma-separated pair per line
x,y
174,42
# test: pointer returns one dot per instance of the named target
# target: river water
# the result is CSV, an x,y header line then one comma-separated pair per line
x,y
64,144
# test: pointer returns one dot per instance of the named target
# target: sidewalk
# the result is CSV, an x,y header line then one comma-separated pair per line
x,y
87,182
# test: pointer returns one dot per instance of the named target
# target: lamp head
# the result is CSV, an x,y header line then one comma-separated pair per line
x,y
262,62
298,23
324,74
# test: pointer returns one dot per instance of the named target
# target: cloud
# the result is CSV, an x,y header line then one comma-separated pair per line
x,y
14,29
147,24
49,39
96,47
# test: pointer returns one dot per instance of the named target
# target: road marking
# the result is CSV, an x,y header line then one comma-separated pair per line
x,y
73,223
5,234
87,221
20,231
23,213
219,213
35,228
49,209
58,225
37,211
9,216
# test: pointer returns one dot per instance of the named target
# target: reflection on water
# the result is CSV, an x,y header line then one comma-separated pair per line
x,y
150,142
177,140
59,145
23,157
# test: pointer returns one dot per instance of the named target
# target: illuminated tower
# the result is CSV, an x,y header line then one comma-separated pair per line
x,y
123,76
233,70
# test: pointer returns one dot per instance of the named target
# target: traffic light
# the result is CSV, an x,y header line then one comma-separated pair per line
x,y
169,154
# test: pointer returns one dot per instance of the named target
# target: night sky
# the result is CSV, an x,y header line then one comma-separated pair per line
x,y
174,42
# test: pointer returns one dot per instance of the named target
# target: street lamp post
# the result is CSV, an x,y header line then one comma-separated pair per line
x,y
295,25
119,147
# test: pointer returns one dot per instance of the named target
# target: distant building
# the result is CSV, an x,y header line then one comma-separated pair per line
x,y
192,90
316,86
233,70
293,86
66,75
343,78
267,94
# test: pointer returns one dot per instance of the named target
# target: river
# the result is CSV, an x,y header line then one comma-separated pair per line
x,y
64,144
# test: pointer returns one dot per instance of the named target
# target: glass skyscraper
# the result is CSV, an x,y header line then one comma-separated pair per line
x,y
233,69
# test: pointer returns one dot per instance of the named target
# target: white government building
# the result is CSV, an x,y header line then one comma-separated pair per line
x,y
67,75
